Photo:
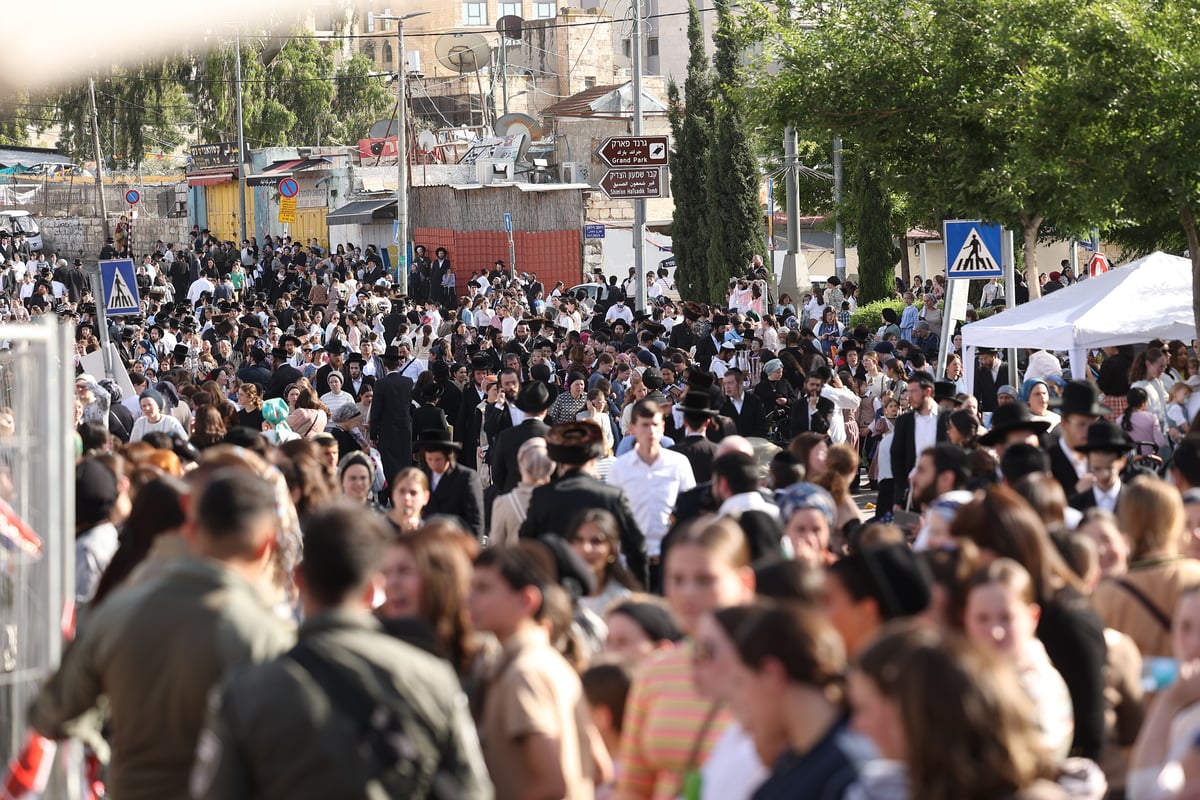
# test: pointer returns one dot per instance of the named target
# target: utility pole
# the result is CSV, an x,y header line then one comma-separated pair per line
x,y
241,138
639,204
99,160
839,231
795,265
401,150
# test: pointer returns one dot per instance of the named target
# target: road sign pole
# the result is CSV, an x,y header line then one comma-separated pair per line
x,y
1009,251
101,317
639,205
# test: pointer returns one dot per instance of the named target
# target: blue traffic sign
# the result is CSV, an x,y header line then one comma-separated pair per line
x,y
591,231
972,249
120,287
508,222
288,187
133,196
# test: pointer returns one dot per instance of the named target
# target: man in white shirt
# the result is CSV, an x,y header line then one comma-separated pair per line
x,y
651,476
1043,365
842,398
410,367
619,310
199,287
735,484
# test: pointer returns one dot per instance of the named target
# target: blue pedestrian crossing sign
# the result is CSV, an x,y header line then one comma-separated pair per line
x,y
972,249
120,287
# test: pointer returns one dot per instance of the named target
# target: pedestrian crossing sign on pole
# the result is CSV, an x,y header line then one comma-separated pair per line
x,y
972,249
120,287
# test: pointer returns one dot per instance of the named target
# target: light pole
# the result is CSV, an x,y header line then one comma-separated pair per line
x,y
401,149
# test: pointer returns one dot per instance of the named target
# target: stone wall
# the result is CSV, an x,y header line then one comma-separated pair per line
x,y
82,237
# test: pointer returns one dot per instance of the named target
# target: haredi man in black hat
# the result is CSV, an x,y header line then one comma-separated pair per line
x,y
1107,449
1079,407
454,490
1013,423
553,506
533,400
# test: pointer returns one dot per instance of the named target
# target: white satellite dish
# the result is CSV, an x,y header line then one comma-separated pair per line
x,y
509,124
426,141
463,52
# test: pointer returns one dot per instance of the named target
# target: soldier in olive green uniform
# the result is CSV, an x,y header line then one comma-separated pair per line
x,y
157,649
298,727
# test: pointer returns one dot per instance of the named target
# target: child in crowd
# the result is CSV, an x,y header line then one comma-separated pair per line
x,y
1000,614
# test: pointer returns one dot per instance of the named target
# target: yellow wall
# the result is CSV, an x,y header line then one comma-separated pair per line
x,y
222,205
310,222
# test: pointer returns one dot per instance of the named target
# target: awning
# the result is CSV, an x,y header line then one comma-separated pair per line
x,y
211,178
362,212
284,169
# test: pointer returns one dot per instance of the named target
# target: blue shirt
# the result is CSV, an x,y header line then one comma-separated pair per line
x,y
908,321
823,773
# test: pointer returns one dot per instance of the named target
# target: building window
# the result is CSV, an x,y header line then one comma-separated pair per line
x,y
543,10
627,47
589,82
510,9
370,22
652,46
387,55
475,13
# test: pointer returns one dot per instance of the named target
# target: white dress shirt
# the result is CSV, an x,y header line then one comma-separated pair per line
x,y
842,399
1107,500
924,431
652,490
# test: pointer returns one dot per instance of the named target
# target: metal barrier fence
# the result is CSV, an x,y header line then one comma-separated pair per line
x,y
37,481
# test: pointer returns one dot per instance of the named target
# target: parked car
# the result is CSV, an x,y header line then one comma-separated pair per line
x,y
22,222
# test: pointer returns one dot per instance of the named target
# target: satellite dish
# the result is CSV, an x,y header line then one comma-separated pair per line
x,y
510,27
463,52
383,129
426,141
513,123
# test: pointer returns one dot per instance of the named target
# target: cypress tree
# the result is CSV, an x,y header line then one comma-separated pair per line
x,y
734,214
691,129
876,252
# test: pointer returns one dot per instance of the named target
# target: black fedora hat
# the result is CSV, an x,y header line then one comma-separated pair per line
x,y
391,355
533,398
697,403
432,391
575,443
1012,417
944,390
335,347
180,352
436,439
1080,397
481,362
1105,437
985,351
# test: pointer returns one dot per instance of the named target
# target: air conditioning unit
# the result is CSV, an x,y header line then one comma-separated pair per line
x,y
576,172
377,148
495,170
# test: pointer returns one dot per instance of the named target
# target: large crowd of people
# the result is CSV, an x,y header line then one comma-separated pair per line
x,y
489,538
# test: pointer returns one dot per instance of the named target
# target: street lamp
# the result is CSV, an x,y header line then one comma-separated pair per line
x,y
401,148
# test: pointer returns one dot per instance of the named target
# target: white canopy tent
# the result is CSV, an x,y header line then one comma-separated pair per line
x,y
1150,298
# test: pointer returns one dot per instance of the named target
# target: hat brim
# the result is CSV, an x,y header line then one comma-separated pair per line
x,y
436,444
1107,447
533,409
1096,410
996,434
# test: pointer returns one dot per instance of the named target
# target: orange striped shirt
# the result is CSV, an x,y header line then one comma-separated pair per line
x,y
663,718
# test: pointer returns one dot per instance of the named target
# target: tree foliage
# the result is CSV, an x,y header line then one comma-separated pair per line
x,y
734,215
691,129
1000,109
360,98
876,251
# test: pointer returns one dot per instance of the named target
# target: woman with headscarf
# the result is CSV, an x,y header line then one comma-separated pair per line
x,y
1035,392
153,419
275,425
809,517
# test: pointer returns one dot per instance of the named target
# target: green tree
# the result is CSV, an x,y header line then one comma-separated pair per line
x,y
15,119
361,97
734,215
691,129
1001,109
300,82
141,110
876,251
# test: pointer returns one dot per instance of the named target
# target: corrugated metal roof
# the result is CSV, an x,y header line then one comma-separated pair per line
x,y
30,156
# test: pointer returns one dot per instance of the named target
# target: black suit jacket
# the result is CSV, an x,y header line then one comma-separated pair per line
x,y
700,452
391,422
682,337
985,386
495,422
281,378
1061,467
553,508
753,419
459,493
904,449
706,350
427,417
820,422
466,430
368,381
506,474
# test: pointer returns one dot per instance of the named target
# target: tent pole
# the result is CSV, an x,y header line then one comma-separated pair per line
x,y
1010,298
